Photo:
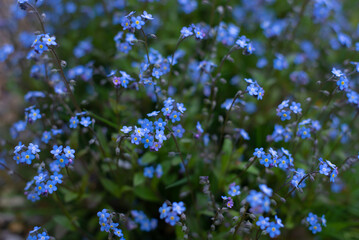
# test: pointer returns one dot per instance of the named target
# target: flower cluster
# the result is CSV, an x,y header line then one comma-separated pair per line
x,y
152,133
284,110
194,29
36,235
245,43
107,225
316,223
123,80
171,212
32,114
259,202
254,89
23,154
131,23
283,159
146,224
328,169
85,121
150,171
43,42
271,228
47,179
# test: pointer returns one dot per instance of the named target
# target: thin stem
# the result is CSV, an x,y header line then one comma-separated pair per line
x,y
226,119
240,222
12,171
38,16
58,62
146,46
184,164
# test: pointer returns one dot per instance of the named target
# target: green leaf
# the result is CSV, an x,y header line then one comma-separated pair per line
x,y
148,158
177,183
63,221
68,195
146,194
138,179
111,187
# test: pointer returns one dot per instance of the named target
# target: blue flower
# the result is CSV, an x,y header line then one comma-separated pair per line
x,y
343,83
148,171
324,169
51,187
181,107
295,107
19,147
160,124
137,22
157,73
333,175
103,215
164,210
266,160
172,218
312,218
27,157
179,207
126,129
34,114
33,148
304,132
284,115
266,190
262,222
153,114
160,136
167,109
146,15
62,160
234,190
118,232
69,153
85,121
49,40
40,188
125,23
159,171
186,32
283,162
315,228
73,122
273,230
56,178
147,141
46,136
258,152
252,89
178,131
43,236
175,116
56,150
135,139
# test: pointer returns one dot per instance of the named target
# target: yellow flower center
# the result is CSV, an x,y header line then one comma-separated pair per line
x,y
137,22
